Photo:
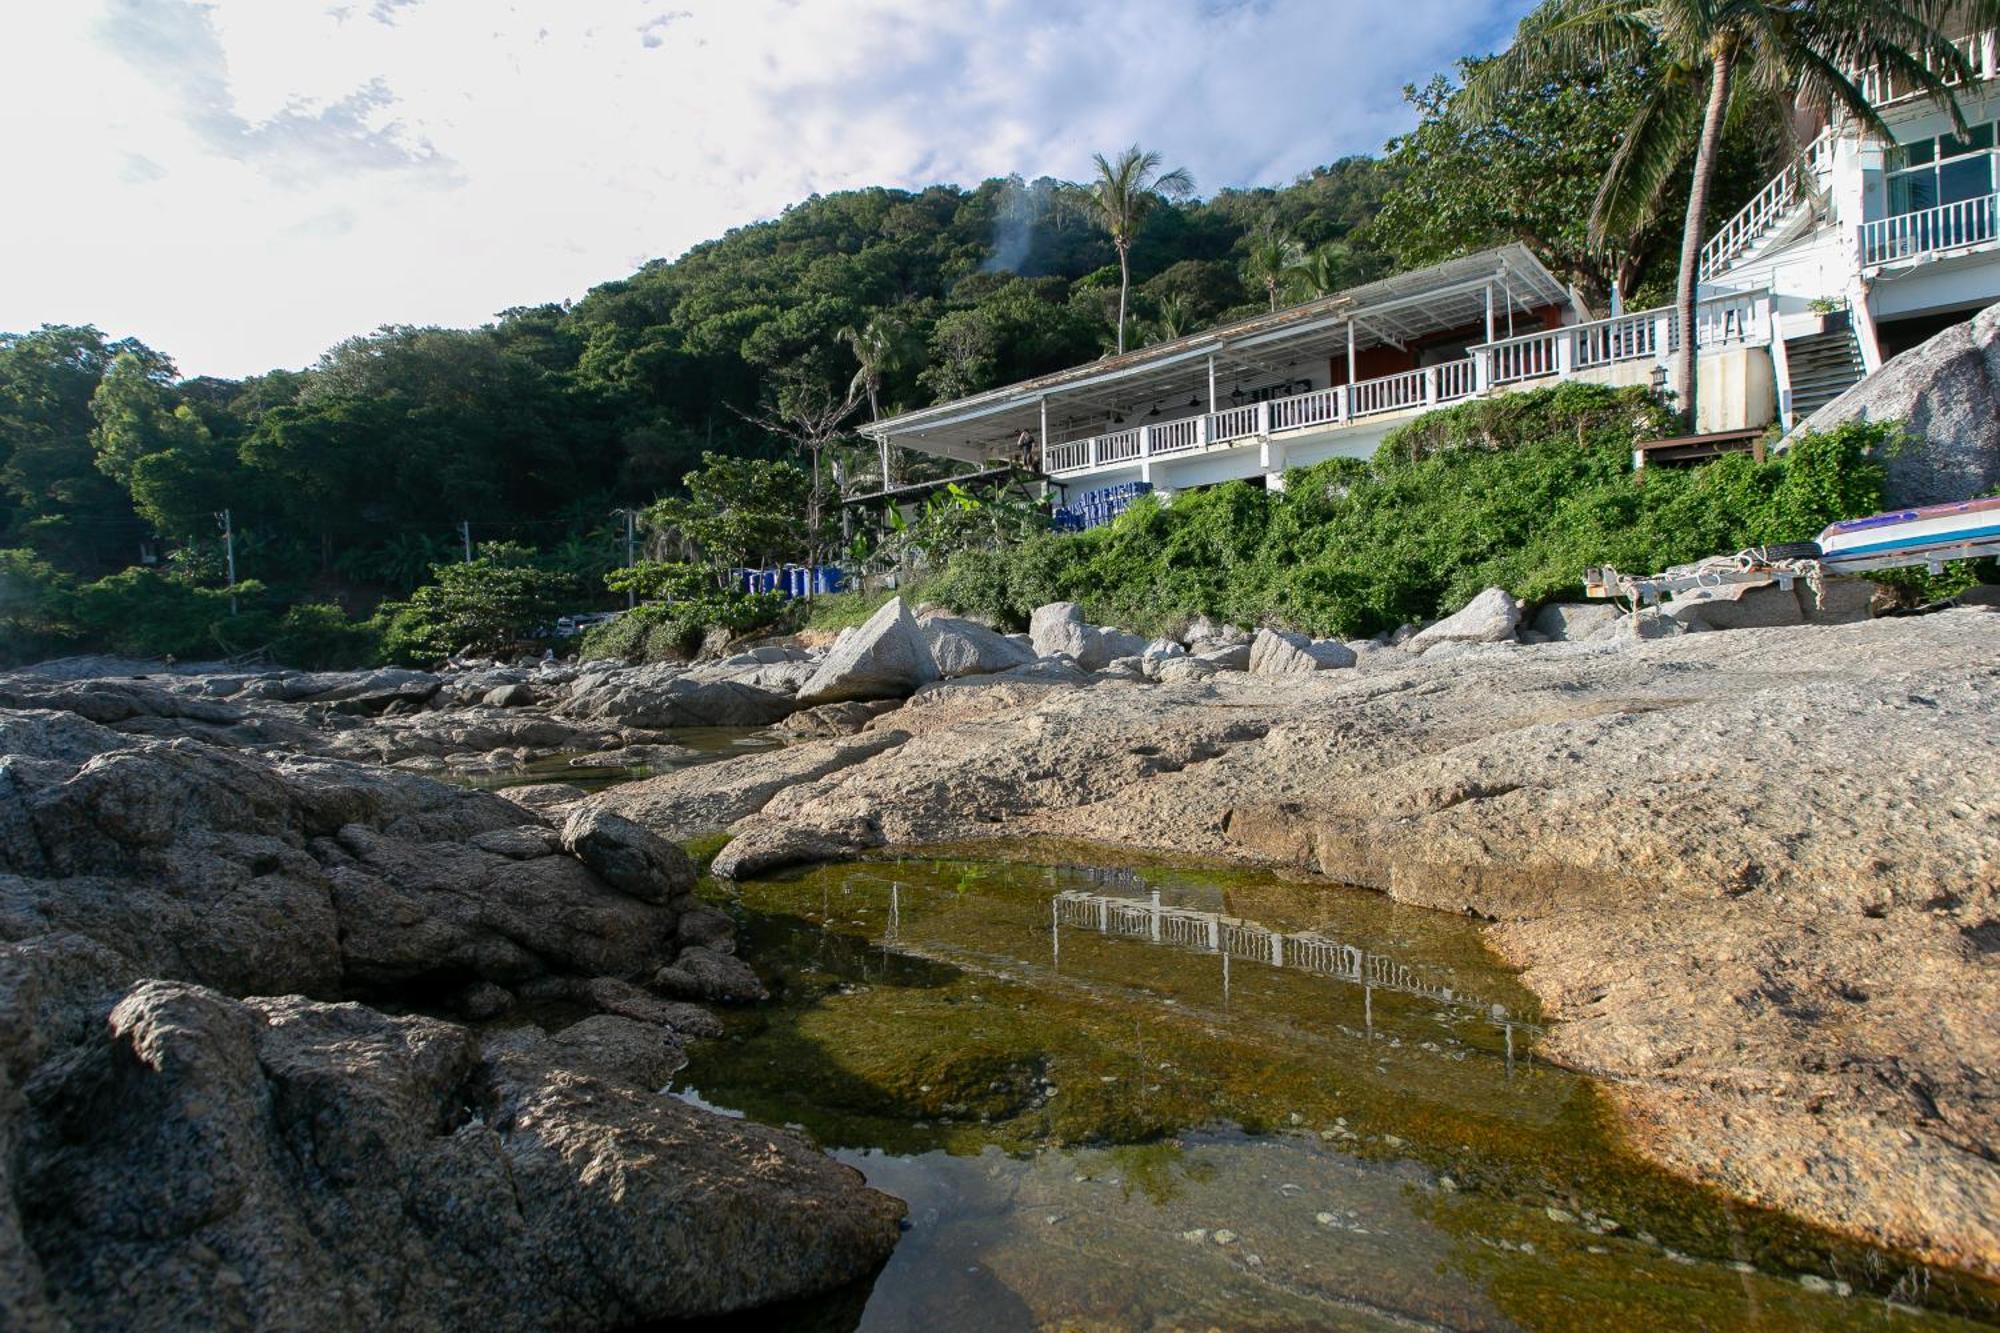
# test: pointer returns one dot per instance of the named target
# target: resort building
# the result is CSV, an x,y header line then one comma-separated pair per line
x,y
1862,248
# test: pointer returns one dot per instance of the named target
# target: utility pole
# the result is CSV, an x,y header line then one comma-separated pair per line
x,y
631,595
465,532
229,554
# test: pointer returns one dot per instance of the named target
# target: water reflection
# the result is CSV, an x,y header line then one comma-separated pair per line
x,y
1159,1098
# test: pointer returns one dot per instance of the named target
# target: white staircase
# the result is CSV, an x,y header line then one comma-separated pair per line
x,y
1791,197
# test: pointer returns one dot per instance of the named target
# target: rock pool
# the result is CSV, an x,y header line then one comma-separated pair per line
x,y
1130,1096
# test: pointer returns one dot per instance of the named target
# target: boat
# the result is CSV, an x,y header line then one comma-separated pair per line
x,y
1960,530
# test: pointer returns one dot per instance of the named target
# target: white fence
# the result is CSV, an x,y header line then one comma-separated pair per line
x,y
1946,227
1559,353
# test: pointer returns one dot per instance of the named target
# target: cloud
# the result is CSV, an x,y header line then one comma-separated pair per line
x,y
250,181
174,44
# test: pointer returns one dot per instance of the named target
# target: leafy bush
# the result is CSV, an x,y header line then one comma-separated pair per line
x,y
481,606
1522,491
665,631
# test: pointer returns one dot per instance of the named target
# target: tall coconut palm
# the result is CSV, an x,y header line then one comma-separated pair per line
x,y
1708,60
1124,192
1273,259
1325,270
881,347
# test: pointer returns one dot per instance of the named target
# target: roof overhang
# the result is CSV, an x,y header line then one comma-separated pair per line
x,y
1248,355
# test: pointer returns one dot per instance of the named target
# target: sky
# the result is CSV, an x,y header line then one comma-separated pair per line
x,y
243,183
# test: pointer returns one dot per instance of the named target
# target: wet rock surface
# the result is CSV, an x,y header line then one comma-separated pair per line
x,y
1756,873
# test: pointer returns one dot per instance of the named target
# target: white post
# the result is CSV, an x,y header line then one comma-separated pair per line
x,y
1482,370
1153,926
1211,383
1341,403
1350,353
1264,417
1430,386
1565,354
1489,312
1045,434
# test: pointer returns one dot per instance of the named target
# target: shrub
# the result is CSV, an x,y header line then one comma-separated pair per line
x,y
1523,492
477,605
661,631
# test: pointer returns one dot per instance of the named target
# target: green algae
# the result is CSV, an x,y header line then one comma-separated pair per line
x,y
929,1021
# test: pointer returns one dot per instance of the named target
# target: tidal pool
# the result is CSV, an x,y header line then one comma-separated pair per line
x,y
1126,1096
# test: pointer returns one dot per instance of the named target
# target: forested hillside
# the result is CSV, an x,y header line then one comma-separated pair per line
x,y
346,482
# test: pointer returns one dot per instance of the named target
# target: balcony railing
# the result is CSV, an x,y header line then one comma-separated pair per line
x,y
1882,87
1769,207
1945,227
1550,353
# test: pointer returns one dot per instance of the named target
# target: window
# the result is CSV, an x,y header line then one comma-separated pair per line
x,y
1947,169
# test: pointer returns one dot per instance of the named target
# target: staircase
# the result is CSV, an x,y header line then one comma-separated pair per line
x,y
1790,196
1822,367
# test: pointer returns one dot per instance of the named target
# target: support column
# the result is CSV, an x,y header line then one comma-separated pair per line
x,y
1045,434
1489,312
1350,353
1211,385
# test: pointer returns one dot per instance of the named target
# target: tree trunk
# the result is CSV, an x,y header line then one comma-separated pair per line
x,y
1124,282
1692,234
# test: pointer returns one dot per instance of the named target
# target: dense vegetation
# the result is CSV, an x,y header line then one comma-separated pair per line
x,y
352,485
1522,492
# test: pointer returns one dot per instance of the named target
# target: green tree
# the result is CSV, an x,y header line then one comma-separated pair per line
x,y
481,606
738,512
1273,260
1709,59
1123,193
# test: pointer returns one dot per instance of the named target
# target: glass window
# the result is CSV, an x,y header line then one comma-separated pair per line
x,y
1946,169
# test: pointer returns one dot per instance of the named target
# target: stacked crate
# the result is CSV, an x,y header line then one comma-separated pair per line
x,y
1098,506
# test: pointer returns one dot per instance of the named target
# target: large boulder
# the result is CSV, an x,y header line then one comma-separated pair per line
x,y
886,658
661,697
627,856
1222,656
1059,630
1488,618
200,1161
1572,622
1277,652
967,648
1946,393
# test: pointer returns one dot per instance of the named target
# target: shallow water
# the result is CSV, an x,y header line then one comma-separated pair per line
x,y
1094,1127
698,745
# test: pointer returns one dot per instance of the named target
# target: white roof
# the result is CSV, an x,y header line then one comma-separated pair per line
x,y
1248,355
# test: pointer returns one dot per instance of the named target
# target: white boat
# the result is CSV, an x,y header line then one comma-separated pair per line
x,y
1962,530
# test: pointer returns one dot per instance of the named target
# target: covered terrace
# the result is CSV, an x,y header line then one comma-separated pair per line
x,y
1400,342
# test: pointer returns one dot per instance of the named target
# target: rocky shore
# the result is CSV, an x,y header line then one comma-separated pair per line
x,y
295,1030
1755,875
265,1057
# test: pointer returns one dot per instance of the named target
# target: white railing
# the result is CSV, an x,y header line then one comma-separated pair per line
x,y
1119,447
1528,357
1391,393
1882,87
1770,206
1946,227
1309,409
1068,456
1170,437
1626,338
1456,380
1235,423
1646,335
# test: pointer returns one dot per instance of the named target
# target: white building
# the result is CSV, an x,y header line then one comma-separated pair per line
x,y
1861,250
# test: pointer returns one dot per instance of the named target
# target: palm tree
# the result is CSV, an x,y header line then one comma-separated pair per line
x,y
1274,259
881,347
1709,60
1123,193
1175,320
1324,271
